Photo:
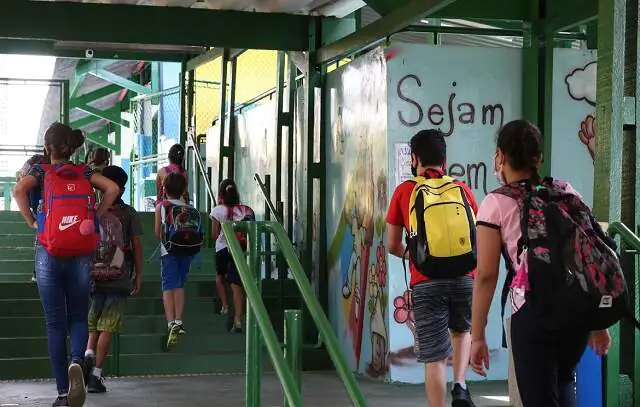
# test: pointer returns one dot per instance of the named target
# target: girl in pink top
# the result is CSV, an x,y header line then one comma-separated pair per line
x,y
544,360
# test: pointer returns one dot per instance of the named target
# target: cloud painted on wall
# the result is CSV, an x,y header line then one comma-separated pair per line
x,y
581,83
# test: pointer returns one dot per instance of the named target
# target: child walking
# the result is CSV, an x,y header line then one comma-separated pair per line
x,y
229,208
179,229
118,258
67,237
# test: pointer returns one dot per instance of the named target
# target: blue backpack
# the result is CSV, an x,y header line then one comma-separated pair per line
x,y
182,228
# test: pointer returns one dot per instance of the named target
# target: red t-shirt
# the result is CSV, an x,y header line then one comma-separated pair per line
x,y
398,213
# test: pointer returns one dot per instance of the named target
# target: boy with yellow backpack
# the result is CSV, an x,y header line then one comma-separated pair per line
x,y
438,215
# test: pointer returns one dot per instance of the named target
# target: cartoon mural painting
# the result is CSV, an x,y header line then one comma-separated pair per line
x,y
356,171
581,86
377,300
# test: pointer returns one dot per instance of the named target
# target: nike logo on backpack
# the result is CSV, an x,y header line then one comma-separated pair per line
x,y
67,222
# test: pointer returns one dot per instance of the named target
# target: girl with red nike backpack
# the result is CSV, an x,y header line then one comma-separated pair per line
x,y
68,233
229,208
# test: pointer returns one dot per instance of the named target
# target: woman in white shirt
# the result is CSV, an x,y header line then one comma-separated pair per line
x,y
229,208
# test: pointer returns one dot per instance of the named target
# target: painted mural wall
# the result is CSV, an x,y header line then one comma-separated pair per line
x,y
356,208
468,93
574,99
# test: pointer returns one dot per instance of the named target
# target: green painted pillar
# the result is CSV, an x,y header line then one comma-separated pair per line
x,y
608,157
64,102
293,347
254,350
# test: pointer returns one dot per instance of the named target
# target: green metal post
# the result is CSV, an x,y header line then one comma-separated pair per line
x,y
183,104
280,80
222,116
267,238
608,160
254,358
293,346
318,316
64,102
291,88
636,308
259,310
231,117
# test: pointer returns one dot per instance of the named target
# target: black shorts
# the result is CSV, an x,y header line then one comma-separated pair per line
x,y
438,307
226,267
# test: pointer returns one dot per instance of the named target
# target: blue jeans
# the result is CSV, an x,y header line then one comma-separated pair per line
x,y
64,287
174,270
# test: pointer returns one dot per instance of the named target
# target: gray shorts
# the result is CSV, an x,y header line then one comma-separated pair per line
x,y
439,306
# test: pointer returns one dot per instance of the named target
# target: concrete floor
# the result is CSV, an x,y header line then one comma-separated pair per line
x,y
319,389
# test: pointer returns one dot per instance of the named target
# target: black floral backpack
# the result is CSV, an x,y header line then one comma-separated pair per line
x,y
572,273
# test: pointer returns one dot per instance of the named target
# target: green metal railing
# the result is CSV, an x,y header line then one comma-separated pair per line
x,y
612,378
258,326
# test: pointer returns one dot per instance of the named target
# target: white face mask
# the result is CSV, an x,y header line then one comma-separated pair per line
x,y
497,172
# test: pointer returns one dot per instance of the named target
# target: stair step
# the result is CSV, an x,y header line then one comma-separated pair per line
x,y
196,286
138,344
153,324
135,306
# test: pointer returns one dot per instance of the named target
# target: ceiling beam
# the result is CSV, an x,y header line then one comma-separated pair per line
x,y
112,115
90,22
567,14
209,56
93,96
120,81
513,10
50,48
395,21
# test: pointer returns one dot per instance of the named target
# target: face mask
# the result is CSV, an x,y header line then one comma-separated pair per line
x,y
497,172
414,171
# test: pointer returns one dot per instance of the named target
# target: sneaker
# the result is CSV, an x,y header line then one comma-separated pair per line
x,y
224,311
89,364
61,401
172,339
236,328
460,397
77,390
96,384
181,330
33,277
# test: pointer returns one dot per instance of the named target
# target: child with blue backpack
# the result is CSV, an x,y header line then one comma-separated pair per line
x,y
179,228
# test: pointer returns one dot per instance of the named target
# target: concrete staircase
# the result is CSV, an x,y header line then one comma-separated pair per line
x,y
207,347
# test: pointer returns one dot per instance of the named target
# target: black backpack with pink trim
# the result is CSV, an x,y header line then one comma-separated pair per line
x,y
575,280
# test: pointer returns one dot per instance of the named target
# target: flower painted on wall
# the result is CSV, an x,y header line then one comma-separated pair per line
x,y
381,266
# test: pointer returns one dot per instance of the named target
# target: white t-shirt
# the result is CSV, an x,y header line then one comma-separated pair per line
x,y
223,213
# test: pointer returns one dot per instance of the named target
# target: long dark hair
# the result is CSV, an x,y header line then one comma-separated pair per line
x,y
176,156
97,157
521,143
228,191
61,141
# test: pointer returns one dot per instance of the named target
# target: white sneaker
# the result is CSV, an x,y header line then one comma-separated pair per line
x,y
77,391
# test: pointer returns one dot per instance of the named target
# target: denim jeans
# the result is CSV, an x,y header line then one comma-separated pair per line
x,y
64,286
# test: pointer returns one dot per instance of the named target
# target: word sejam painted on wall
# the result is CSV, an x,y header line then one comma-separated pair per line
x,y
447,116
468,93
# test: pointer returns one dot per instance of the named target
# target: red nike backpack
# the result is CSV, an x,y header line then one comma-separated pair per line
x,y
68,200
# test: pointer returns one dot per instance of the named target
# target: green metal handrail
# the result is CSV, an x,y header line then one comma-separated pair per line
x,y
257,316
612,363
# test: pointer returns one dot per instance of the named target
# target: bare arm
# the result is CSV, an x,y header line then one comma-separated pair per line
x,y
136,247
159,181
110,191
394,240
216,229
489,244
158,223
20,193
